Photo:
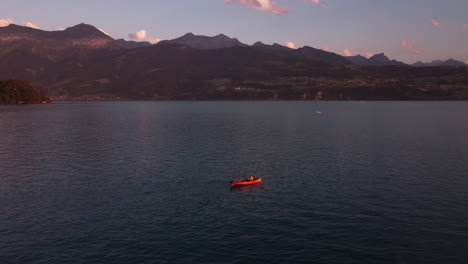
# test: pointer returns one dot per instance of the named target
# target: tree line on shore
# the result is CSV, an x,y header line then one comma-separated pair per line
x,y
19,92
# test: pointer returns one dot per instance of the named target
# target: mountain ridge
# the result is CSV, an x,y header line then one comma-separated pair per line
x,y
435,63
82,62
219,41
85,34
376,60
130,44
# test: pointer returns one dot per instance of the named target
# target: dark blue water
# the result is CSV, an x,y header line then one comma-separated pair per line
x,y
148,182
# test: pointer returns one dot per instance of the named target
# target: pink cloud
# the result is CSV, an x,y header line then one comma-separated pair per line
x,y
326,48
139,35
410,45
465,26
369,55
262,5
436,23
31,25
316,2
290,45
347,52
5,22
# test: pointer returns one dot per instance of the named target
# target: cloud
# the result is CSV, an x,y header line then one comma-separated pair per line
x,y
139,35
465,26
290,45
316,2
347,52
436,23
31,25
5,22
326,48
369,55
262,5
410,45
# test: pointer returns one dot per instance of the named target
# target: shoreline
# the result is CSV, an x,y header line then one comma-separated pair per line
x,y
276,100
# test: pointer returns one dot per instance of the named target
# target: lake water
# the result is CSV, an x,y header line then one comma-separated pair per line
x,y
148,182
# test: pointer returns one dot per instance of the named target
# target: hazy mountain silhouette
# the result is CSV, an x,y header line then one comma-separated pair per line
x,y
376,60
358,60
435,63
321,55
203,42
274,49
83,31
130,44
306,52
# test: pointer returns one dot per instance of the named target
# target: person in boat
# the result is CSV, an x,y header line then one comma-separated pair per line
x,y
251,178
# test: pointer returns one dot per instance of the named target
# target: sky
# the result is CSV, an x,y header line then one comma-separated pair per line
x,y
405,30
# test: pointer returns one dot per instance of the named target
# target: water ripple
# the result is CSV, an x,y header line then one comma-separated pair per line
x,y
148,182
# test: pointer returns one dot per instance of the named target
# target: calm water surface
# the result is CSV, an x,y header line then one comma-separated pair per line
x,y
148,182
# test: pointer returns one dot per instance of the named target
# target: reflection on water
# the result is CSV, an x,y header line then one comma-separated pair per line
x,y
246,188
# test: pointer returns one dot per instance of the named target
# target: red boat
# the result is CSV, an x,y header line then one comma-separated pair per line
x,y
245,182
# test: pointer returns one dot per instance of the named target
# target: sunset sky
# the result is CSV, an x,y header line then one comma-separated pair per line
x,y
406,30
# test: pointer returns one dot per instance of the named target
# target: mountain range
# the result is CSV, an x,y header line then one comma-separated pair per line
x,y
222,41
376,60
436,63
83,62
